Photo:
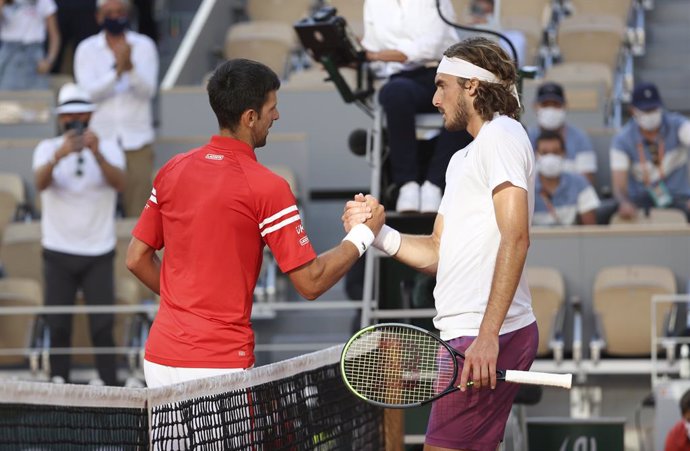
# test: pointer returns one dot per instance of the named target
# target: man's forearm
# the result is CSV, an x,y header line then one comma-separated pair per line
x,y
510,261
419,252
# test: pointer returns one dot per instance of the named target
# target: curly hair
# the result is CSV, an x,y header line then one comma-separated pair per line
x,y
491,97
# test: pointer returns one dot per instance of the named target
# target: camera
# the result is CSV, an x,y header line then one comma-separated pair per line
x,y
77,126
326,35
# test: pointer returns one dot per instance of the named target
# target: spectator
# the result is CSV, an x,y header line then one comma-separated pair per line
x,y
678,438
649,157
550,107
78,175
405,40
76,21
119,69
23,28
564,198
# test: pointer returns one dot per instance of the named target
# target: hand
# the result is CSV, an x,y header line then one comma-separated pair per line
x,y
356,212
123,55
627,210
73,142
480,363
91,141
378,214
43,66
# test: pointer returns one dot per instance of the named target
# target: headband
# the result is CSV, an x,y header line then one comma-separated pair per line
x,y
464,69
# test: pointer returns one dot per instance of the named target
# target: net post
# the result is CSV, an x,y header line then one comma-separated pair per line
x,y
394,429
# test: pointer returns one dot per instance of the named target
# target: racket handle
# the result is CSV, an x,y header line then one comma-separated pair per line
x,y
536,378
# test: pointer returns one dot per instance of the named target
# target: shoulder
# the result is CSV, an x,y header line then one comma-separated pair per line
x,y
675,119
576,132
48,144
575,180
263,180
505,130
626,136
89,43
47,7
140,40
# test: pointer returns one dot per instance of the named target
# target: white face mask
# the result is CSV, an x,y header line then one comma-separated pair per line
x,y
648,120
550,165
551,118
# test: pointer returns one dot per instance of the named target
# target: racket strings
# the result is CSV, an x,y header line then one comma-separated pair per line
x,y
398,365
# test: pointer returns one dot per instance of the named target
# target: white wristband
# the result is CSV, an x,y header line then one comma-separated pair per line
x,y
388,240
361,236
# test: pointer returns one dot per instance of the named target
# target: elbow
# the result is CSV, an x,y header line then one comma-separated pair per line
x,y
132,262
310,293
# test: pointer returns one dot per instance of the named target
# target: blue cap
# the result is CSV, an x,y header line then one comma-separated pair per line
x,y
646,97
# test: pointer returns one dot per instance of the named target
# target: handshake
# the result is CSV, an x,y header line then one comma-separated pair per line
x,y
364,221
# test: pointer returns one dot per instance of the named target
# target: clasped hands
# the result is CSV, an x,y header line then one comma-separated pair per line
x,y
364,210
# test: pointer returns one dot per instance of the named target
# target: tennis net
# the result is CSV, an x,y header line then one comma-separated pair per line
x,y
297,404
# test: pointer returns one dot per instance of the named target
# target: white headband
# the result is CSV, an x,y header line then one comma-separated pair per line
x,y
464,69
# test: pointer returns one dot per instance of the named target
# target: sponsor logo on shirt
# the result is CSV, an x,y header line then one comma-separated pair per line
x,y
213,156
304,241
299,229
241,353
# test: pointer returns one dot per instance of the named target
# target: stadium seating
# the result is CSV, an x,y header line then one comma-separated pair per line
x,y
622,306
271,43
15,330
548,295
286,11
590,38
353,12
20,252
618,8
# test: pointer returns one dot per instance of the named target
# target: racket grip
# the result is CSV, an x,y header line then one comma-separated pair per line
x,y
536,378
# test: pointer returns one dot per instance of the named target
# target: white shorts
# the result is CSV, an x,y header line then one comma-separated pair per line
x,y
159,375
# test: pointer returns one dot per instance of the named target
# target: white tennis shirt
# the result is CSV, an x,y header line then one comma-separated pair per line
x,y
500,153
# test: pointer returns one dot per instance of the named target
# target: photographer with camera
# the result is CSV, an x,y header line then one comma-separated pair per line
x,y
79,176
404,40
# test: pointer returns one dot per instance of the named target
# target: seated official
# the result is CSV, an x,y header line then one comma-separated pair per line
x,y
563,198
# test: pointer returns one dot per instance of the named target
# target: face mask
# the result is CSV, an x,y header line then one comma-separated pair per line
x,y
115,26
550,118
650,120
550,165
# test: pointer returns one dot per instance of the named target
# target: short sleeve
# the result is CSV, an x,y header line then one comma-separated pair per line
x,y
43,153
619,160
587,200
47,8
280,225
504,159
149,228
113,153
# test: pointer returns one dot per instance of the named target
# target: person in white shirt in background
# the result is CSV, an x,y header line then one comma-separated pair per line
x,y
550,107
24,25
79,175
119,69
563,198
404,39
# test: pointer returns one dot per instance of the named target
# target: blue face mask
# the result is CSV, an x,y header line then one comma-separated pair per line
x,y
115,26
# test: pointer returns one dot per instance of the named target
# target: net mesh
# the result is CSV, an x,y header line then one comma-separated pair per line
x,y
299,404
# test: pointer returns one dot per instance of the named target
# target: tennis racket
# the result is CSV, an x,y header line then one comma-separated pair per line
x,y
399,365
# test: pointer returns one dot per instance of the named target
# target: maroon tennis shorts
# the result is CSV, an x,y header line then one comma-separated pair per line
x,y
476,419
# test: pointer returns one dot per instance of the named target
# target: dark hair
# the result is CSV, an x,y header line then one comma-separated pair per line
x,y
239,85
491,97
685,402
549,135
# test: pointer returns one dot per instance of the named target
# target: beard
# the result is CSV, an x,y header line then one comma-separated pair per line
x,y
460,118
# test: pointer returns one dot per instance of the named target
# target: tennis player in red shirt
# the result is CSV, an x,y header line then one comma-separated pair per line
x,y
213,209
